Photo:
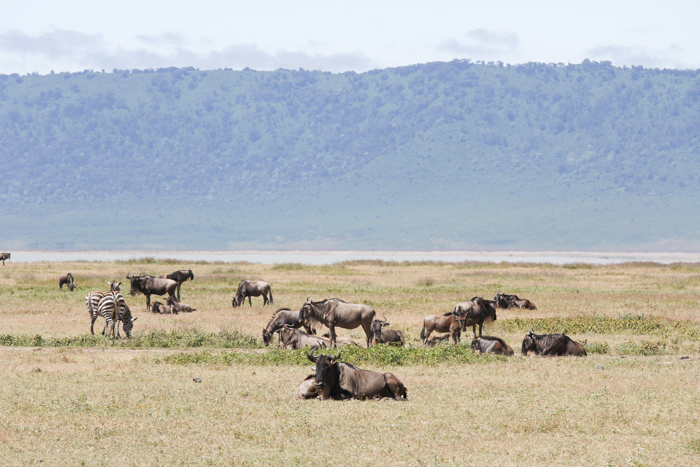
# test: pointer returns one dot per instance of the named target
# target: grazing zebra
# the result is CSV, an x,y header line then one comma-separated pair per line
x,y
113,309
3,257
92,301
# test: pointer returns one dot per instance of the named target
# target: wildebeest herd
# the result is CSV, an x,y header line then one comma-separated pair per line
x,y
333,379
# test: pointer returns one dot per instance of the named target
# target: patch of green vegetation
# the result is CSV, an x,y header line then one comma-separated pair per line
x,y
596,347
645,348
601,324
380,355
187,338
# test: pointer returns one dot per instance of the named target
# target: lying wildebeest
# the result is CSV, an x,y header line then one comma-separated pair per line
x,y
179,276
433,341
151,285
158,307
340,341
179,306
92,301
248,288
477,311
340,380
335,312
386,336
66,279
307,389
488,344
292,339
551,344
453,323
4,256
503,300
282,317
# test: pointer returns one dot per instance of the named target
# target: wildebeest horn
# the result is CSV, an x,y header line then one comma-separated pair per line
x,y
312,357
134,319
338,357
384,318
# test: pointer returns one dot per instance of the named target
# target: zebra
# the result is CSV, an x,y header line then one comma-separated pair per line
x,y
92,301
114,309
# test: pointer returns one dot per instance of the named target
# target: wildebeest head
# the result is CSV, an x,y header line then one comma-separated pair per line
x,y
461,319
137,283
529,343
326,368
377,326
267,337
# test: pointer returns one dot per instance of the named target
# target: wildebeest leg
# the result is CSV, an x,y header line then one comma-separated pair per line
x,y
148,301
367,327
250,300
332,336
178,291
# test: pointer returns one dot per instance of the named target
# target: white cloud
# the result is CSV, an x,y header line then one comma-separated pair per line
x,y
482,43
620,55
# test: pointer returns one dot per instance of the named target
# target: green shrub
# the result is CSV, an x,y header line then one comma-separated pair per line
x,y
642,348
596,347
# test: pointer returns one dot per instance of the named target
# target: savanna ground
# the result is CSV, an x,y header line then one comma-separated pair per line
x,y
67,398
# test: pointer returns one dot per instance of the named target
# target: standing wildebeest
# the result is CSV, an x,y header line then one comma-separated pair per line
x,y
293,339
282,317
4,256
66,279
488,344
551,344
335,312
340,380
386,336
179,276
150,285
453,323
92,301
248,288
477,311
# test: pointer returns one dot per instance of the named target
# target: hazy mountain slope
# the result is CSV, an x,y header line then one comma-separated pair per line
x,y
441,155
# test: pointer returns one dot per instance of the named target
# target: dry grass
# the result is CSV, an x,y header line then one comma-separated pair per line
x,y
108,406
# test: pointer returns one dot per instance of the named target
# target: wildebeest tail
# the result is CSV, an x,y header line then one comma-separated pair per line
x,y
422,332
272,302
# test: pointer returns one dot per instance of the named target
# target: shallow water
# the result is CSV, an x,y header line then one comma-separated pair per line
x,y
330,257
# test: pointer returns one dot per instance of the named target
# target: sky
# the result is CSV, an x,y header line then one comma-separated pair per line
x,y
75,35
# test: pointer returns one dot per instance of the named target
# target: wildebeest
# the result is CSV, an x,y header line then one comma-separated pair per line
x,y
503,300
179,276
339,341
386,336
433,341
158,307
477,311
292,339
92,301
66,279
248,288
551,344
489,344
340,380
179,306
282,317
335,312
307,389
151,285
4,256
453,323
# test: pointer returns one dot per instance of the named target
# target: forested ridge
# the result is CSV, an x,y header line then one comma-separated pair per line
x,y
437,155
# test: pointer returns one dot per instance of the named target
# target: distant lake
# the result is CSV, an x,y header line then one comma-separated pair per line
x,y
330,257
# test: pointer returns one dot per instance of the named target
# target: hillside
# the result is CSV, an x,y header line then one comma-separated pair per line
x,y
439,155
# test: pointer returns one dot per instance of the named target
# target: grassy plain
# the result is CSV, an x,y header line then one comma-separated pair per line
x,y
632,401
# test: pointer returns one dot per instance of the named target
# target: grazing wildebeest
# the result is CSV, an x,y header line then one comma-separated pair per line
x,y
489,344
158,307
307,389
386,336
292,339
92,301
453,323
4,256
477,311
179,306
282,317
66,279
151,285
433,341
335,312
248,288
551,344
179,276
340,380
